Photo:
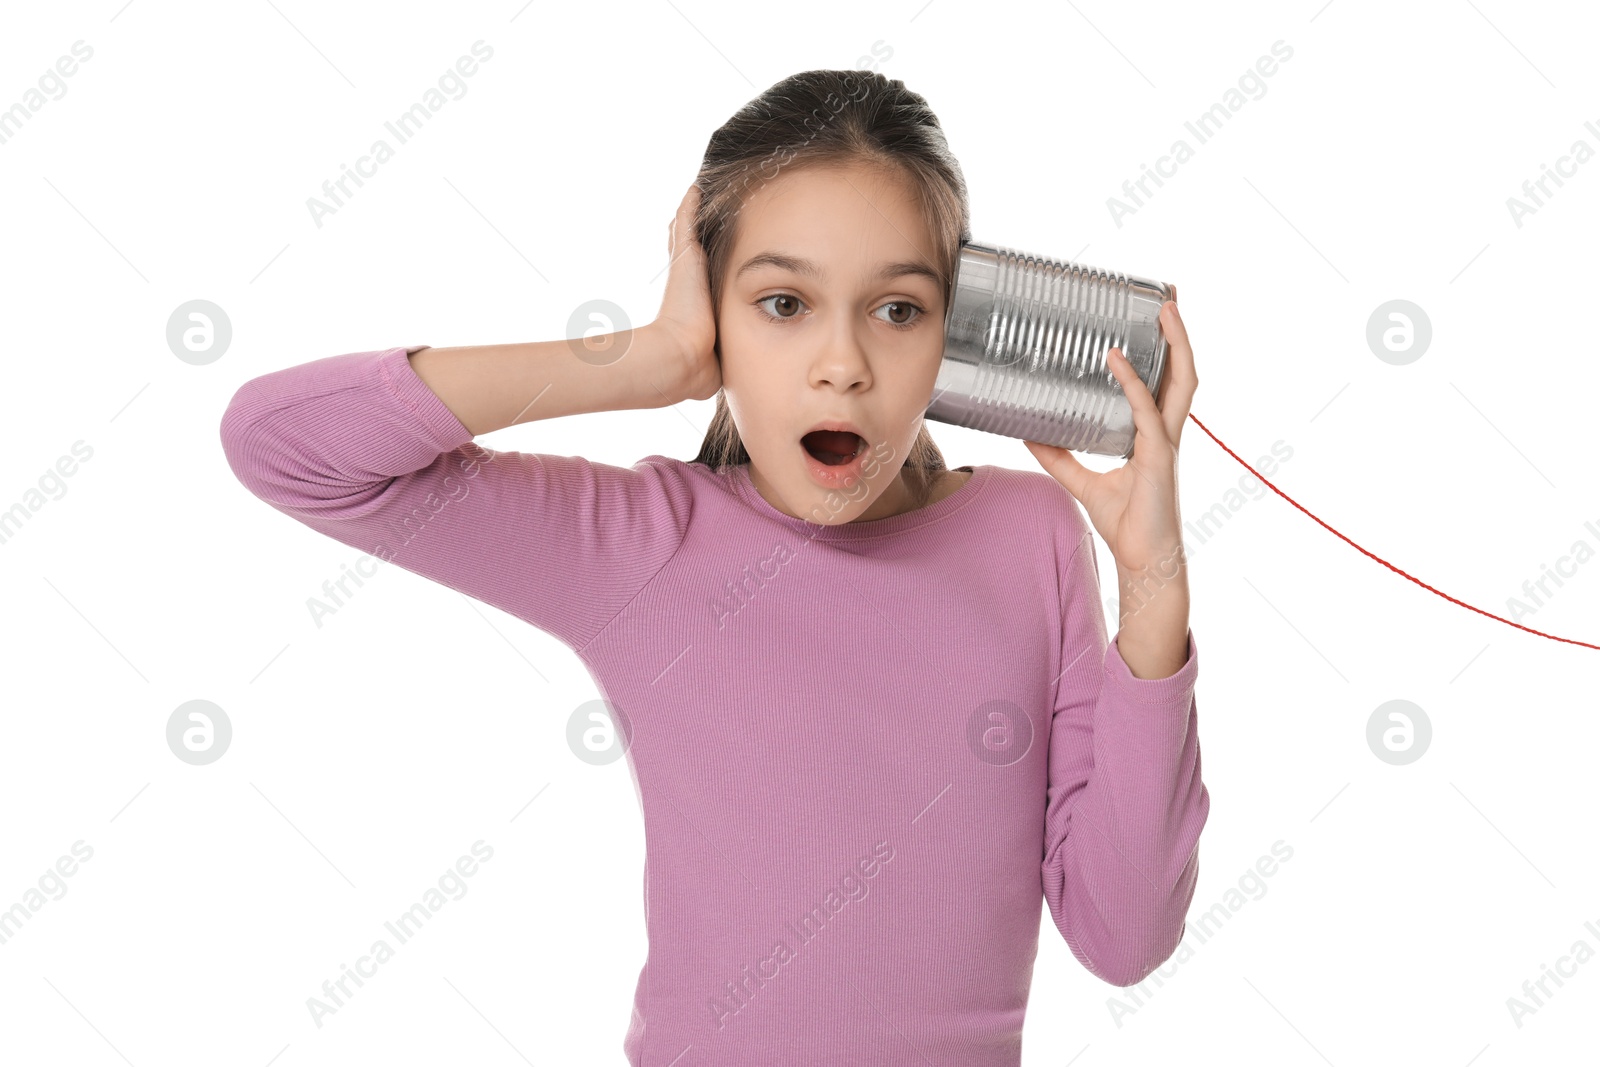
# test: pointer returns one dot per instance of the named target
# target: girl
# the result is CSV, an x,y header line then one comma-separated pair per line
x,y
868,701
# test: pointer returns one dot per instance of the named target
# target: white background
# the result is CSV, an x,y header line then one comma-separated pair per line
x,y
370,753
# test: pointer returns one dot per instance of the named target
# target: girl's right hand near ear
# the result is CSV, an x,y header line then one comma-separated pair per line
x,y
686,316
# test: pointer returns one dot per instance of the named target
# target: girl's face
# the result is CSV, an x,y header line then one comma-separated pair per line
x,y
831,312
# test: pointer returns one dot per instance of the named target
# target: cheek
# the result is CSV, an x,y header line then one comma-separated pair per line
x,y
747,374
758,410
741,348
757,367
915,384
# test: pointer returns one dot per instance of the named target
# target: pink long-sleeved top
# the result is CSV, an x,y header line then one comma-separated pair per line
x,y
863,751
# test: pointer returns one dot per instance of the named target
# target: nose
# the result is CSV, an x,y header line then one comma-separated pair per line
x,y
842,359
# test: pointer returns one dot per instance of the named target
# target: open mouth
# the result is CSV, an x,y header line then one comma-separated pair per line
x,y
833,447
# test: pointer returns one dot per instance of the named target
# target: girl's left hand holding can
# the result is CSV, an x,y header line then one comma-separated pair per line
x,y
1134,508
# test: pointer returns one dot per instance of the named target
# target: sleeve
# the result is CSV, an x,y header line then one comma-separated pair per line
x,y
357,447
1125,802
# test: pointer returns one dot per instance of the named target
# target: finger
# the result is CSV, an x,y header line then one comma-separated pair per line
x,y
1146,416
680,231
683,218
1063,466
1182,379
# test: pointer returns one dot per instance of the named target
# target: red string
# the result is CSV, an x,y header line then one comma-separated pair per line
x,y
1385,562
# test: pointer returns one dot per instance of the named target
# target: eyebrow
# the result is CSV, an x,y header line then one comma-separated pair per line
x,y
798,265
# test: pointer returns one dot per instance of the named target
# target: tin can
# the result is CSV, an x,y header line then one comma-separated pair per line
x,y
1026,340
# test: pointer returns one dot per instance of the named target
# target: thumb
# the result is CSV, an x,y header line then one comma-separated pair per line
x,y
1063,466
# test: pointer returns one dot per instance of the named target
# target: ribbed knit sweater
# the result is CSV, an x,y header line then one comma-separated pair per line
x,y
864,752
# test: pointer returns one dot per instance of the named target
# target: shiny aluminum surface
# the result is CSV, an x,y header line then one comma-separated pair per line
x,y
1026,339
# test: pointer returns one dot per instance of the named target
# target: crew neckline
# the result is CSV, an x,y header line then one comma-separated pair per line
x,y
856,531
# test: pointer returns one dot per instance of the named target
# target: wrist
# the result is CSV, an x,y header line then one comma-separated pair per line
x,y
660,368
652,367
1138,586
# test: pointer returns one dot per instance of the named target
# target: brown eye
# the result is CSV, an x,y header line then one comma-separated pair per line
x,y
904,313
789,306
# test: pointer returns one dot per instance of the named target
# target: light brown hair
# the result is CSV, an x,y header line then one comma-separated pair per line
x,y
828,118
